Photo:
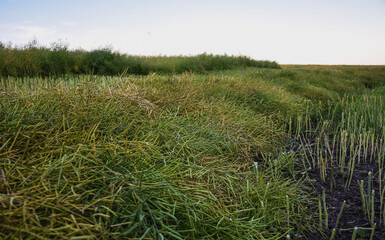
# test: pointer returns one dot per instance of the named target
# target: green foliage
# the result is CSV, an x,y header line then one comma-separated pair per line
x,y
139,157
34,60
182,156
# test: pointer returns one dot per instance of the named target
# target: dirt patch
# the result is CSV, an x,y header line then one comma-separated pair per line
x,y
337,191
353,213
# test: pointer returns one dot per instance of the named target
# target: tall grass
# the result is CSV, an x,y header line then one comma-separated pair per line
x,y
350,133
112,158
184,156
34,60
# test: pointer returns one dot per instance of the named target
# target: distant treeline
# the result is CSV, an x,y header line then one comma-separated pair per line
x,y
33,60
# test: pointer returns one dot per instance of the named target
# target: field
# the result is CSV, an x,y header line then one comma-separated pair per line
x,y
35,60
243,153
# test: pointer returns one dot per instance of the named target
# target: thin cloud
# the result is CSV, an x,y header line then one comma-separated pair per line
x,y
29,32
66,23
98,31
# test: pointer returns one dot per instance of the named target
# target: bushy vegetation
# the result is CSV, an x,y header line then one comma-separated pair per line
x,y
33,60
183,156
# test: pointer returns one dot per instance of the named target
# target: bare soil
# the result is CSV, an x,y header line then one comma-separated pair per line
x,y
336,193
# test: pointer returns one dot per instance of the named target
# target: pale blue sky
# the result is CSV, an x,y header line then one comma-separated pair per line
x,y
291,31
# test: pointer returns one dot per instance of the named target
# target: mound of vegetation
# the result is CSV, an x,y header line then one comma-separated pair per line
x,y
183,156
33,60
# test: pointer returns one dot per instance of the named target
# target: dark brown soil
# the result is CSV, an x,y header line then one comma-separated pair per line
x,y
352,215
336,193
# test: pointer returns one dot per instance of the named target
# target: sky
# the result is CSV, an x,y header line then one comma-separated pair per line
x,y
286,31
